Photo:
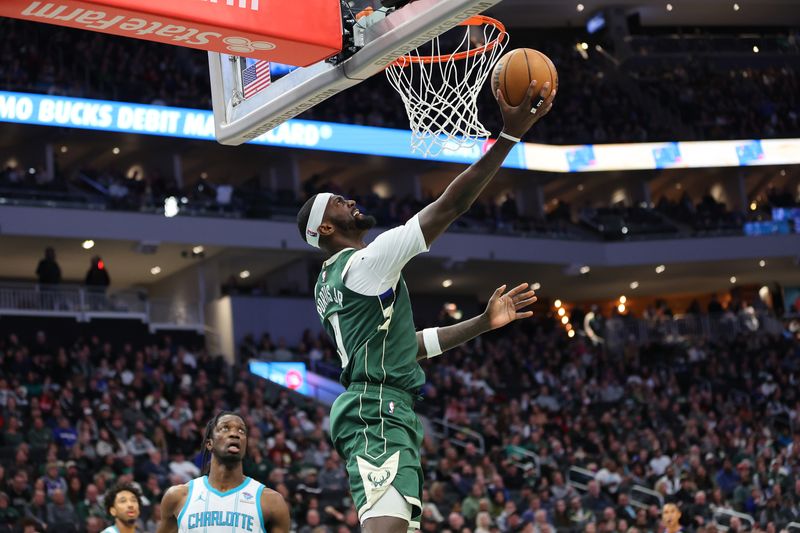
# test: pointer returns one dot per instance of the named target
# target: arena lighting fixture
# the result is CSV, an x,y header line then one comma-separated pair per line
x,y
669,7
88,244
736,7
571,333
115,151
536,286
561,311
660,269
557,303
171,208
64,149
197,250
580,188
634,284
585,269
624,230
783,172
156,270
753,206
564,319
584,46
755,49
623,299
244,274
447,283
579,7
733,279
621,308
762,263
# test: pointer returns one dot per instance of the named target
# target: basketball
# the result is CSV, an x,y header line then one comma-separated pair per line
x,y
516,70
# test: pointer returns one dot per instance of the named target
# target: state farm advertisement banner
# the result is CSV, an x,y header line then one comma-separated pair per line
x,y
284,31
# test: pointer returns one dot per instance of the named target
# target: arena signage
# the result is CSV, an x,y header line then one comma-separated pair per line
x,y
105,115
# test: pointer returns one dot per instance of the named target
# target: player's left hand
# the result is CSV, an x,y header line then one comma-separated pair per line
x,y
503,309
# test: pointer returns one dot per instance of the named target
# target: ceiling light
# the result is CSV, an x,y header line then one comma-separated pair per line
x,y
678,186
634,284
762,263
561,311
197,250
733,279
753,206
669,7
622,299
580,187
564,319
64,149
783,172
585,269
755,49
536,286
571,333
244,274
557,303
579,7
736,7
660,269
447,283
584,46
88,244
156,270
621,308
624,230
115,151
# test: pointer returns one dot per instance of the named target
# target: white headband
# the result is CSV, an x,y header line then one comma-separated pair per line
x,y
315,218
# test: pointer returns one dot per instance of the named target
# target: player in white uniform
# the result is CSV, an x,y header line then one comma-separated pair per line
x,y
123,503
224,501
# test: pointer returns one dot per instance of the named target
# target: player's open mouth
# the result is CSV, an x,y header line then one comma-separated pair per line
x,y
234,448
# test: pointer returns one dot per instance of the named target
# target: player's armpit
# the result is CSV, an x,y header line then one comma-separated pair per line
x,y
276,512
171,504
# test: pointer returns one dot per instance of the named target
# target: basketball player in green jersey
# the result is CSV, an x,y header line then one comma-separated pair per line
x,y
363,303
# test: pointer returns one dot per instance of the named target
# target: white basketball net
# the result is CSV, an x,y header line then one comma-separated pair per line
x,y
441,97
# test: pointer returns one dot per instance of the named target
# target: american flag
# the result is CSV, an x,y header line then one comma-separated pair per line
x,y
255,76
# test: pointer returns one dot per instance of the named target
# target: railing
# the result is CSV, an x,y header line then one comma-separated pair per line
x,y
84,304
458,435
524,459
723,517
579,478
618,331
643,498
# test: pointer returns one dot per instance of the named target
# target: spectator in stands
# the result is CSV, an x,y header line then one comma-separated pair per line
x,y
37,509
61,514
48,271
97,277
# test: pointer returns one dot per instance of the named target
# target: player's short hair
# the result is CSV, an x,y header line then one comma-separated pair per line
x,y
111,495
205,463
303,216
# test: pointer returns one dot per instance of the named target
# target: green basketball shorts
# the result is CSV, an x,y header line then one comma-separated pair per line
x,y
376,431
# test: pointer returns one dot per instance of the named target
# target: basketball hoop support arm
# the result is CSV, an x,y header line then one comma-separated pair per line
x,y
384,41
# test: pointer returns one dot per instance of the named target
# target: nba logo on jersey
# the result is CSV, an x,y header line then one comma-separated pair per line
x,y
391,407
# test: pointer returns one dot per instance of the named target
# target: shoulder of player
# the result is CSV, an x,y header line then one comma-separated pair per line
x,y
175,497
272,501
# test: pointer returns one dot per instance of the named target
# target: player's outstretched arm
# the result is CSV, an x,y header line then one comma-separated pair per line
x,y
501,310
459,196
171,504
275,511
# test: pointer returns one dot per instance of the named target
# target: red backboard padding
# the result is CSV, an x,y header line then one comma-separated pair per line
x,y
296,32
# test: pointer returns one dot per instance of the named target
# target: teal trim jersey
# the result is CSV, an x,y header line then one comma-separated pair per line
x,y
375,335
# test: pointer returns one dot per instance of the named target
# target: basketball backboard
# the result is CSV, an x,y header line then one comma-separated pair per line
x,y
370,44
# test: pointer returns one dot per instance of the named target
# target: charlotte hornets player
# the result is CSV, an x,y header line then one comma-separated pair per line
x,y
362,301
123,503
224,501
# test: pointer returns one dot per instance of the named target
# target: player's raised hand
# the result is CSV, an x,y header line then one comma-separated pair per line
x,y
518,120
503,309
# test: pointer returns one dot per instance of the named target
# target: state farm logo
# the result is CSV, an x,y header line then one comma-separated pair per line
x,y
161,30
244,45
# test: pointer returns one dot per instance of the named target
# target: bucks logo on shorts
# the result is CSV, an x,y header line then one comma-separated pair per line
x,y
379,478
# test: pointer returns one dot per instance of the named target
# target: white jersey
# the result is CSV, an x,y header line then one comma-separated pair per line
x,y
207,510
110,529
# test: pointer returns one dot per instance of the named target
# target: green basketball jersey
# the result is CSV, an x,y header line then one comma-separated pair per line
x,y
375,335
